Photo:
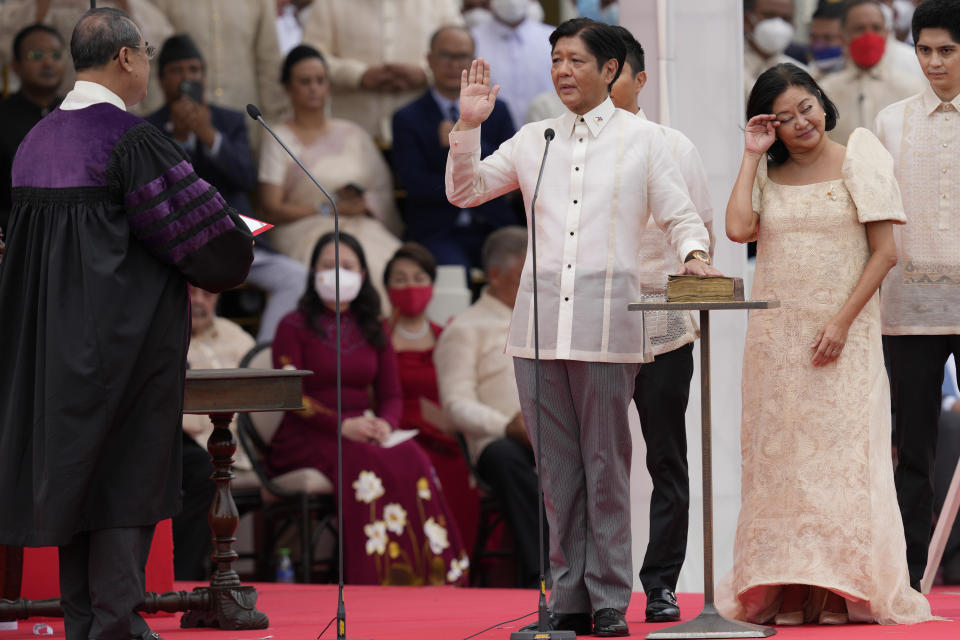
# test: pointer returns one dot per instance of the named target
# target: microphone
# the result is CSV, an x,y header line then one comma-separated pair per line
x,y
543,631
254,113
341,617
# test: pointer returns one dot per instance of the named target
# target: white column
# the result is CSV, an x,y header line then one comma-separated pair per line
x,y
703,67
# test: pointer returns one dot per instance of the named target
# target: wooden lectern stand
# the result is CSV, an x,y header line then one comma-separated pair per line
x,y
709,624
226,603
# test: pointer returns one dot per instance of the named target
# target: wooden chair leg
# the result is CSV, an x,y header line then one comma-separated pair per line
x,y
306,550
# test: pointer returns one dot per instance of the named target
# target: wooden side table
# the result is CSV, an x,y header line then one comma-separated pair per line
x,y
225,603
709,623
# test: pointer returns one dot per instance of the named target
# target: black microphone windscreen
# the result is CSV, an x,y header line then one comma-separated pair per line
x,y
548,134
253,112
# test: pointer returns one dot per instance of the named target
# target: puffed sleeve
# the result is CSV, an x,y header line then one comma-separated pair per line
x,y
759,183
178,216
868,175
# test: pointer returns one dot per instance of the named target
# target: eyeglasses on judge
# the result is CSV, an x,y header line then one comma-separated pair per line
x,y
149,50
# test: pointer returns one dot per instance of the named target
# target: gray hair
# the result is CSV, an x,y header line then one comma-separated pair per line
x,y
98,36
503,245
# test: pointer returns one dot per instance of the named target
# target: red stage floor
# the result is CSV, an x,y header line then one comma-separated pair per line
x,y
444,613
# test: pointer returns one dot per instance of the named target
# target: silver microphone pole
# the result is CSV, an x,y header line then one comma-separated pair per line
x,y
254,113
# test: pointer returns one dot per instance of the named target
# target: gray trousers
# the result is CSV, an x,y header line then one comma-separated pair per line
x,y
102,583
586,477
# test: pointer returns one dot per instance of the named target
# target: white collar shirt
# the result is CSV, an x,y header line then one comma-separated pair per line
x,y
668,330
475,378
860,94
921,294
86,94
519,60
607,171
449,108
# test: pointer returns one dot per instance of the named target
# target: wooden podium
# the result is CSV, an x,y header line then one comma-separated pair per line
x,y
225,603
709,624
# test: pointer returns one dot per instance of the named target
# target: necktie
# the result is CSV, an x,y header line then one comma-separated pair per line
x,y
454,113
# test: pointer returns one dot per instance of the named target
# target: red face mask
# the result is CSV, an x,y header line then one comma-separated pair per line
x,y
867,49
411,301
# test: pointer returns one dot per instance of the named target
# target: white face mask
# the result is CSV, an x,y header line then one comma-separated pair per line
x,y
476,16
324,284
510,11
772,36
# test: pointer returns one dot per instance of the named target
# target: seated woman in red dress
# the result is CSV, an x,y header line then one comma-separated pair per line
x,y
408,278
397,527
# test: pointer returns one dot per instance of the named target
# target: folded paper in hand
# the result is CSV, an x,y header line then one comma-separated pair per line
x,y
256,226
398,436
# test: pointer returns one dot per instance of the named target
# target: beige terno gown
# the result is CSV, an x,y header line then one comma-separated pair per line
x,y
818,503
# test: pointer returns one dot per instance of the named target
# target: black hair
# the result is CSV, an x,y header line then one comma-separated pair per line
x,y
178,47
850,4
298,53
829,11
416,253
749,5
634,56
937,14
770,85
601,41
365,307
455,27
26,31
99,35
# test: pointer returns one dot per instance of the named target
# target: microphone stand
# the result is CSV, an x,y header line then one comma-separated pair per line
x,y
254,113
543,631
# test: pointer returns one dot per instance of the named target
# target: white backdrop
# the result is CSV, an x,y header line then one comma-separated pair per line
x,y
694,60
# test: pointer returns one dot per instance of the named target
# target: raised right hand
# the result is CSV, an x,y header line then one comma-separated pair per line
x,y
761,133
477,99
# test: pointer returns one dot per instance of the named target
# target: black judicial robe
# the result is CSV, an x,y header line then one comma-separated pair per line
x,y
109,222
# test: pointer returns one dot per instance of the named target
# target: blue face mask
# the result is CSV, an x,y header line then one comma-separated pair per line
x,y
827,59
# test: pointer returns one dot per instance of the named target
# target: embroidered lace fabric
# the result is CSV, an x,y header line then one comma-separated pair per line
x,y
819,505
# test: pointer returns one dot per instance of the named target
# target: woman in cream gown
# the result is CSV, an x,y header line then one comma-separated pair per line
x,y
343,158
819,536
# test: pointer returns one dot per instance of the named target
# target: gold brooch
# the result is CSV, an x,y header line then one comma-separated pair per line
x,y
831,194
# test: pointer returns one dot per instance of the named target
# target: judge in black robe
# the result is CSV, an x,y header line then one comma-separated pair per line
x,y
109,223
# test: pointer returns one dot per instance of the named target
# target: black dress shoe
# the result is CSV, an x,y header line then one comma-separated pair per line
x,y
579,623
662,606
609,622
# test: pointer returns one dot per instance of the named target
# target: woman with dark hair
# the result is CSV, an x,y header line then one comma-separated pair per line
x,y
342,157
397,525
819,537
409,277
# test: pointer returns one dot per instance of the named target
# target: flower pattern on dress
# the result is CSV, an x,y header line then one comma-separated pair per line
x,y
396,518
437,535
457,568
368,486
376,537
423,489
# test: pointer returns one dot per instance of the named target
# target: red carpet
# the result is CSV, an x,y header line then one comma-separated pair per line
x,y
443,613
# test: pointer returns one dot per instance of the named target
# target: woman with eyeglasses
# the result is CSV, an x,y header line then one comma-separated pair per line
x,y
819,534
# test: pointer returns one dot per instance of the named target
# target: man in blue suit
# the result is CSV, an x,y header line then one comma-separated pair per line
x,y
215,138
420,145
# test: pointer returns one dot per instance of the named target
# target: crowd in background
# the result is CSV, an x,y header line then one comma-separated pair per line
x,y
365,93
